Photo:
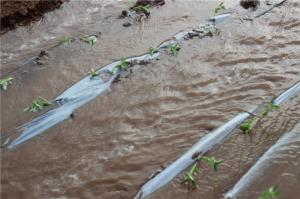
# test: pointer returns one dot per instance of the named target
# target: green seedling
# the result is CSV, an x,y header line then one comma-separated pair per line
x,y
123,65
5,82
269,108
191,174
219,8
271,193
142,9
174,48
212,162
65,41
37,105
152,51
248,125
210,31
93,73
91,40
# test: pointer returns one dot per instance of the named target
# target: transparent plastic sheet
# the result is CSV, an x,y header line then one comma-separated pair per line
x,y
203,146
87,89
254,173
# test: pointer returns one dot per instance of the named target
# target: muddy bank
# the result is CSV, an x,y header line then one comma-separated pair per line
x,y
15,13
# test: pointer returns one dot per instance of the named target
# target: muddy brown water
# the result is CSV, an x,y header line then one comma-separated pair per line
x,y
146,121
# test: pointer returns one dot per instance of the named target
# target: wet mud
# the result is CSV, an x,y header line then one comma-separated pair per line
x,y
144,122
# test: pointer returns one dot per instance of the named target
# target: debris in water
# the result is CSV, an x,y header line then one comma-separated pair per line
x,y
253,4
127,24
149,2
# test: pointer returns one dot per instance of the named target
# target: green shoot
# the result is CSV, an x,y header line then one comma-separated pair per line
x,y
123,65
93,73
270,107
219,8
210,31
65,41
143,9
91,40
248,125
5,82
37,105
212,162
271,193
174,48
152,51
191,174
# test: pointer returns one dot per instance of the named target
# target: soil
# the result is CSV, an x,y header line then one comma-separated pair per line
x,y
14,13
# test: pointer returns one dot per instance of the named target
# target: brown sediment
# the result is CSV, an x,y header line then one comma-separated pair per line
x,y
15,13
147,120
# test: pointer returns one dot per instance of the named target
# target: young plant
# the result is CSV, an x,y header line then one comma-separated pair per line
x,y
174,48
142,9
37,105
191,174
210,31
152,51
5,82
271,193
212,162
123,65
248,125
93,73
269,108
65,41
219,8
91,40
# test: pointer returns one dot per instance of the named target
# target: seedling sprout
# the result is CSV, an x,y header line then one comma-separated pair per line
x,y
66,41
219,8
191,174
152,51
93,73
37,105
271,193
123,65
91,40
174,48
5,82
143,9
212,162
248,125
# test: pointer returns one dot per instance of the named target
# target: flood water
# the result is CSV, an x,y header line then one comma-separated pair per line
x,y
146,121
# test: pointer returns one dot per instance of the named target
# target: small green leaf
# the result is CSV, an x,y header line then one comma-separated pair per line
x,y
272,192
143,9
93,73
65,41
219,8
37,105
190,175
5,82
91,40
152,51
123,65
212,162
174,48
